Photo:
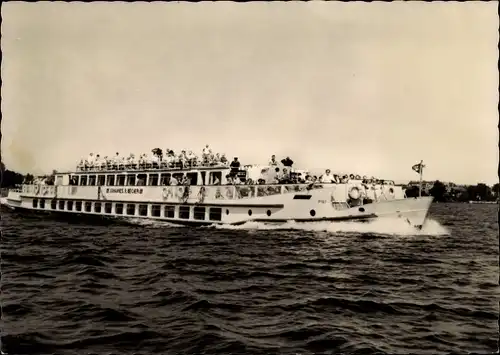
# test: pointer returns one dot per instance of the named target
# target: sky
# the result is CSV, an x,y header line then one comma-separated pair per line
x,y
369,88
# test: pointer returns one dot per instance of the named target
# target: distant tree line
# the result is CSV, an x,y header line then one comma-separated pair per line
x,y
444,193
9,178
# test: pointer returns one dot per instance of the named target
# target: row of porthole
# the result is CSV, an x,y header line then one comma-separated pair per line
x,y
312,212
250,212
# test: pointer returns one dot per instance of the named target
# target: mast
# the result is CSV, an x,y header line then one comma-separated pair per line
x,y
420,170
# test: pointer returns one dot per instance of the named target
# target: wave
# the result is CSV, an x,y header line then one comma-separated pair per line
x,y
388,226
153,223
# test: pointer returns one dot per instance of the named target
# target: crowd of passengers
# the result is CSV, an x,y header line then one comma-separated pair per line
x,y
157,159
277,173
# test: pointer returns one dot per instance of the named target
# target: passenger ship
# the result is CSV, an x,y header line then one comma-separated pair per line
x,y
123,193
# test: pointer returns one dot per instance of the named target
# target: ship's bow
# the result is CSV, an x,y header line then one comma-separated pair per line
x,y
415,210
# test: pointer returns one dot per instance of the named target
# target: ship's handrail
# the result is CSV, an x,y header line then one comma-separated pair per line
x,y
124,166
247,185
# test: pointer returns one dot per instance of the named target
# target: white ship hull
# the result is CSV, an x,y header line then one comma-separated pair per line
x,y
215,204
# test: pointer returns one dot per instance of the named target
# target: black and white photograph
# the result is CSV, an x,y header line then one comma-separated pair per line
x,y
290,178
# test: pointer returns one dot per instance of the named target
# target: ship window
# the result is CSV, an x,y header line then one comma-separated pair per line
x,y
83,180
156,210
141,179
153,180
73,180
199,213
120,180
165,179
110,180
131,179
61,205
42,203
215,178
78,205
70,206
130,209
215,214
169,211
193,177
53,204
101,180
107,207
119,208
88,206
268,213
143,210
249,212
184,212
92,180
35,203
97,207
313,213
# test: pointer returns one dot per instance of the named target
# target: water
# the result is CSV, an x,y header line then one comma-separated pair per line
x,y
153,288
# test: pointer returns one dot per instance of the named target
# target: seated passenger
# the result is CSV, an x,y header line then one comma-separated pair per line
x,y
229,179
236,180
174,181
327,177
223,159
285,177
217,159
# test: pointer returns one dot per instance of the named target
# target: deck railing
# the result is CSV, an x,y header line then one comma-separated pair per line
x,y
120,166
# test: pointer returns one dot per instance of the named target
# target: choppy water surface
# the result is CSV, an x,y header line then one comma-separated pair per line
x,y
158,289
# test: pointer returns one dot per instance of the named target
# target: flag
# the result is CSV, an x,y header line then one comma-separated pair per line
x,y
418,167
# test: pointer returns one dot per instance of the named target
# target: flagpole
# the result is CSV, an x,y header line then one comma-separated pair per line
x,y
420,182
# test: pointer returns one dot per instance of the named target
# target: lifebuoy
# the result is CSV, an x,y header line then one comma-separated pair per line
x,y
165,193
37,189
351,176
218,194
358,177
354,193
